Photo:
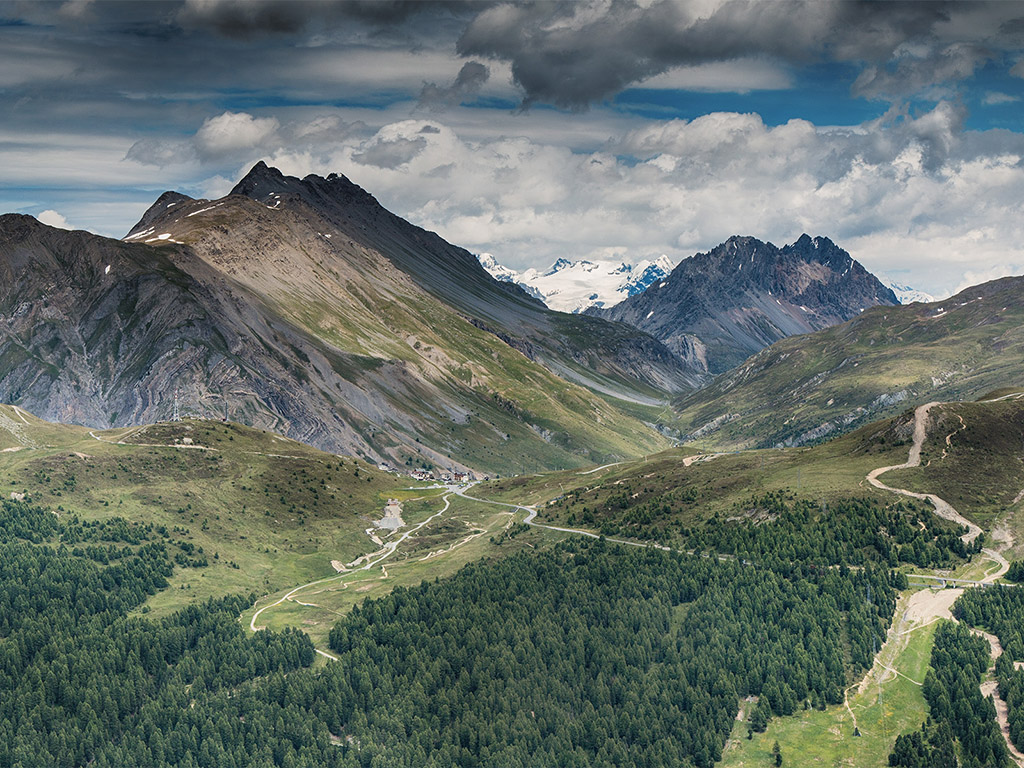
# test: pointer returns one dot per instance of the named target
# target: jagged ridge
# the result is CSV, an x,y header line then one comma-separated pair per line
x,y
718,308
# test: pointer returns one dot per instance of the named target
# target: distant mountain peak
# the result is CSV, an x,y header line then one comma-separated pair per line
x,y
268,185
746,294
157,210
908,295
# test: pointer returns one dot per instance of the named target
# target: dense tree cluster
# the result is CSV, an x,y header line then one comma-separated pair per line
x,y
854,531
951,688
780,526
931,747
594,656
1002,612
81,682
1016,572
957,710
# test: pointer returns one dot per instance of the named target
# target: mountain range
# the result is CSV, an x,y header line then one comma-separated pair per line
x,y
807,388
305,307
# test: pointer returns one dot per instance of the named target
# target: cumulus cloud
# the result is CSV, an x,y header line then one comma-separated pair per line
x,y
233,131
229,136
53,219
467,83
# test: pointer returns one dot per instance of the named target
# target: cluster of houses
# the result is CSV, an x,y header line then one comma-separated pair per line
x,y
427,475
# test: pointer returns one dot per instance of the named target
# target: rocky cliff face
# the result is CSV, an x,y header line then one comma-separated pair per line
x,y
744,295
103,333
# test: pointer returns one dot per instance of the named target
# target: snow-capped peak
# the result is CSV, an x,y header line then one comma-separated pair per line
x,y
907,295
573,286
498,271
561,265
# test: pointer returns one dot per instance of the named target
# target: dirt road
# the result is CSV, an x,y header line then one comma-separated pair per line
x,y
942,508
934,605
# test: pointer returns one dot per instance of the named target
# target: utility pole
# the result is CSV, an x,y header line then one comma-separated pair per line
x,y
176,415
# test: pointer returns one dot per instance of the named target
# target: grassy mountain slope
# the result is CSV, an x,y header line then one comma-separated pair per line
x,y
971,458
262,513
805,388
980,468
680,488
267,512
102,333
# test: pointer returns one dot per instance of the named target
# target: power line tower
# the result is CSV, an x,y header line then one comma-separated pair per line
x,y
176,414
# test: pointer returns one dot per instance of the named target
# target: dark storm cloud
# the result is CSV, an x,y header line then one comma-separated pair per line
x,y
467,83
573,54
570,54
248,18
390,154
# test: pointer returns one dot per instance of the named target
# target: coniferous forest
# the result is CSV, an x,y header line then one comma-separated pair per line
x,y
585,653
958,713
1002,613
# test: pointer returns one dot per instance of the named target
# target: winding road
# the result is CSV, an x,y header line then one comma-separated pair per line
x,y
942,508
945,510
531,514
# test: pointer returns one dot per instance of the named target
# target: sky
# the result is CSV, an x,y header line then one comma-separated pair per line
x,y
612,129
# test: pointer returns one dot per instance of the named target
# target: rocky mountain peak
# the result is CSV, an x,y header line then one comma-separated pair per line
x,y
14,224
159,209
260,180
746,294
269,186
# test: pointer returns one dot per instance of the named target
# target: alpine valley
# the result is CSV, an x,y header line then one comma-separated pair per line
x,y
290,481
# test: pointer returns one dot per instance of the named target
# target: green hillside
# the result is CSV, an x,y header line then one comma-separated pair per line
x,y
265,512
694,486
971,457
975,461
808,388
262,513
